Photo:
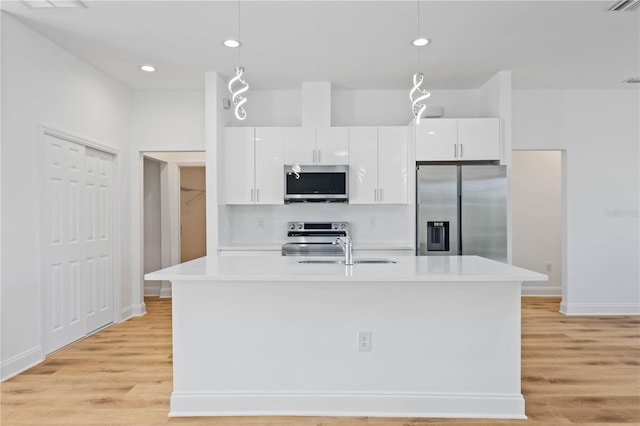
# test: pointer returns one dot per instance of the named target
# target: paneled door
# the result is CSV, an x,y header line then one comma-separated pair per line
x,y
98,199
76,241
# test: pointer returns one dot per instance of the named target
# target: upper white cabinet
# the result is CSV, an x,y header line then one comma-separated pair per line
x,y
254,160
479,139
324,145
332,145
378,165
463,139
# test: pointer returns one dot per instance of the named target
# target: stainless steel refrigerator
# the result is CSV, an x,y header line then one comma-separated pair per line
x,y
462,209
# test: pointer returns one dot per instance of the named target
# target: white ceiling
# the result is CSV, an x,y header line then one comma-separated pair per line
x,y
354,44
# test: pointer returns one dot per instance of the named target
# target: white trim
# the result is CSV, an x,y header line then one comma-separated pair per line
x,y
352,404
599,309
540,291
133,311
76,139
22,362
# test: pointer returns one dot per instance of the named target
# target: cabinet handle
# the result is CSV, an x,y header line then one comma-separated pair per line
x,y
460,150
257,195
381,194
319,160
455,151
375,194
314,155
252,195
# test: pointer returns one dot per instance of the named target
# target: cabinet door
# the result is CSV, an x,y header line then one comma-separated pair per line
x,y
332,145
436,139
393,169
239,165
479,139
299,145
269,155
363,165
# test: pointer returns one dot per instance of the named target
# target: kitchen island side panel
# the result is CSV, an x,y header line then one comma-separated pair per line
x,y
291,348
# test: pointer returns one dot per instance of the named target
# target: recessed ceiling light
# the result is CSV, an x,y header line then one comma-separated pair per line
x,y
232,43
419,42
148,68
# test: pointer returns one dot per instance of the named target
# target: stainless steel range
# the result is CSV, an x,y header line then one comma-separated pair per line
x,y
314,238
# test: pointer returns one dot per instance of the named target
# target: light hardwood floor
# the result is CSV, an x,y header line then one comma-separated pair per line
x,y
583,370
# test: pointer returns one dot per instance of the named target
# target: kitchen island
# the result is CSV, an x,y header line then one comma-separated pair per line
x,y
271,336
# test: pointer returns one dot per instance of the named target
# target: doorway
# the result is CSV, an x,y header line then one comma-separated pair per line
x,y
193,213
171,179
537,218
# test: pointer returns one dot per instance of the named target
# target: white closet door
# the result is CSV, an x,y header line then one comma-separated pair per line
x,y
98,211
63,243
76,241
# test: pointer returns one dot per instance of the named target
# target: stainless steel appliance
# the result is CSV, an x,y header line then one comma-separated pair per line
x,y
461,209
316,183
314,238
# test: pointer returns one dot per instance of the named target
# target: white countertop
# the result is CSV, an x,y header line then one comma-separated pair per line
x,y
287,268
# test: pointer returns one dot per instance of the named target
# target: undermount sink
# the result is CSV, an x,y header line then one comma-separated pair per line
x,y
357,261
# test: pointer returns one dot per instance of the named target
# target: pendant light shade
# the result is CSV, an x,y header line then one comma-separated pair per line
x,y
237,93
417,95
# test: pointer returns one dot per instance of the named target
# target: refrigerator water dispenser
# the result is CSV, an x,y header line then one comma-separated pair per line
x,y
438,236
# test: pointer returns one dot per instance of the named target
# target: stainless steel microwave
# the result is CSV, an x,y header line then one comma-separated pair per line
x,y
316,183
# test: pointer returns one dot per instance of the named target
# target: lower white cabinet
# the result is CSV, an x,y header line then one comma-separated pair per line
x,y
254,165
378,167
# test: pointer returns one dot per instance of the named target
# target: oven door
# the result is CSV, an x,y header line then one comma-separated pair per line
x,y
311,249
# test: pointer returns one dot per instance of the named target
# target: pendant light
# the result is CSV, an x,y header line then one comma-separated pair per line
x,y
237,85
417,94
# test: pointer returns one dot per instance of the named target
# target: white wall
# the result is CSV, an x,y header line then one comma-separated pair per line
x,y
44,84
351,107
536,182
599,131
160,121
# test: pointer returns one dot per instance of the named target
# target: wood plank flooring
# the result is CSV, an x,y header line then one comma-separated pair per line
x,y
575,370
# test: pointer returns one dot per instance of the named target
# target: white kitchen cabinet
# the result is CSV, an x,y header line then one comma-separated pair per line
x,y
437,139
463,139
332,146
299,145
309,146
269,165
478,139
239,170
254,165
392,165
378,165
363,165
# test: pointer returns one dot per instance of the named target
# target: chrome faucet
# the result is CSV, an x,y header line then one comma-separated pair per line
x,y
347,245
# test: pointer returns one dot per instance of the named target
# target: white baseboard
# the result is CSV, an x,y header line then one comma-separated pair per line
x,y
597,309
541,291
352,404
133,311
22,362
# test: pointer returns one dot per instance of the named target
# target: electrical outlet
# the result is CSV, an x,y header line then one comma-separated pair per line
x,y
372,222
364,341
549,266
260,222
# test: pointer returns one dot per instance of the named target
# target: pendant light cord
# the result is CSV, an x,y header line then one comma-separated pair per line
x,y
419,36
239,39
